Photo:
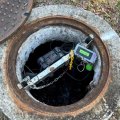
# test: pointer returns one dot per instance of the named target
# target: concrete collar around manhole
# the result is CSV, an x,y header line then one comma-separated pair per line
x,y
67,96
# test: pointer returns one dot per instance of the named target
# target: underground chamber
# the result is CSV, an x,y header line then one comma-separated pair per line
x,y
70,88
74,84
63,89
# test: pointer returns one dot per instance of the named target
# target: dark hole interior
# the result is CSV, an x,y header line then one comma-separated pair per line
x,y
72,87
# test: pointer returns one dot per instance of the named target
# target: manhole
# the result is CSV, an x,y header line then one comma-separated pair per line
x,y
13,13
70,88
67,96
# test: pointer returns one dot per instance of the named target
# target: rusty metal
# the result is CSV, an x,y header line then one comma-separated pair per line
x,y
13,13
22,99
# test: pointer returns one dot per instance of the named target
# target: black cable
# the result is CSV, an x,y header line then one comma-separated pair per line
x,y
65,46
51,45
77,79
73,45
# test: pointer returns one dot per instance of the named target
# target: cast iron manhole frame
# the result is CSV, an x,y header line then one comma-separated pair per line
x,y
21,98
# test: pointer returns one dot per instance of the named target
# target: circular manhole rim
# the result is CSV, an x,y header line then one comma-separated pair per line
x,y
23,100
12,31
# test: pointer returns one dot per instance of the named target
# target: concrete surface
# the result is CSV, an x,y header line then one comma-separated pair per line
x,y
2,116
109,107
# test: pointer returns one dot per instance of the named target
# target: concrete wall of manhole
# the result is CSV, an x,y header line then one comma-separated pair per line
x,y
74,92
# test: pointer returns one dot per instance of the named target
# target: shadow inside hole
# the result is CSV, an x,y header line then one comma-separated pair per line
x,y
72,87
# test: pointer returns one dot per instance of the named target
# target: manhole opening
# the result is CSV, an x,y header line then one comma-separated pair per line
x,y
73,85
37,34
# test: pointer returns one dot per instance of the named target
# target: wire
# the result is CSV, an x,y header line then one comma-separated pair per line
x,y
72,77
51,44
67,45
64,44
77,79
29,69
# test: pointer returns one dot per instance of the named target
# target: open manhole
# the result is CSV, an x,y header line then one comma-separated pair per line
x,y
75,90
70,88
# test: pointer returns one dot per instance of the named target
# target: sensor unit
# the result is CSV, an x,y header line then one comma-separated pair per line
x,y
85,54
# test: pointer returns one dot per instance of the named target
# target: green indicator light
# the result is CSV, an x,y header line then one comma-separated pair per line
x,y
89,67
84,52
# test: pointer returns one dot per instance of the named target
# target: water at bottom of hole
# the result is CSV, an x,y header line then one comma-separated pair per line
x,y
66,90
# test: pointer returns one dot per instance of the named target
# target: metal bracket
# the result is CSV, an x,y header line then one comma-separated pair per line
x,y
44,74
27,82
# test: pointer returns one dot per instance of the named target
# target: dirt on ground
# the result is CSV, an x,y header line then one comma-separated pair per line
x,y
107,9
